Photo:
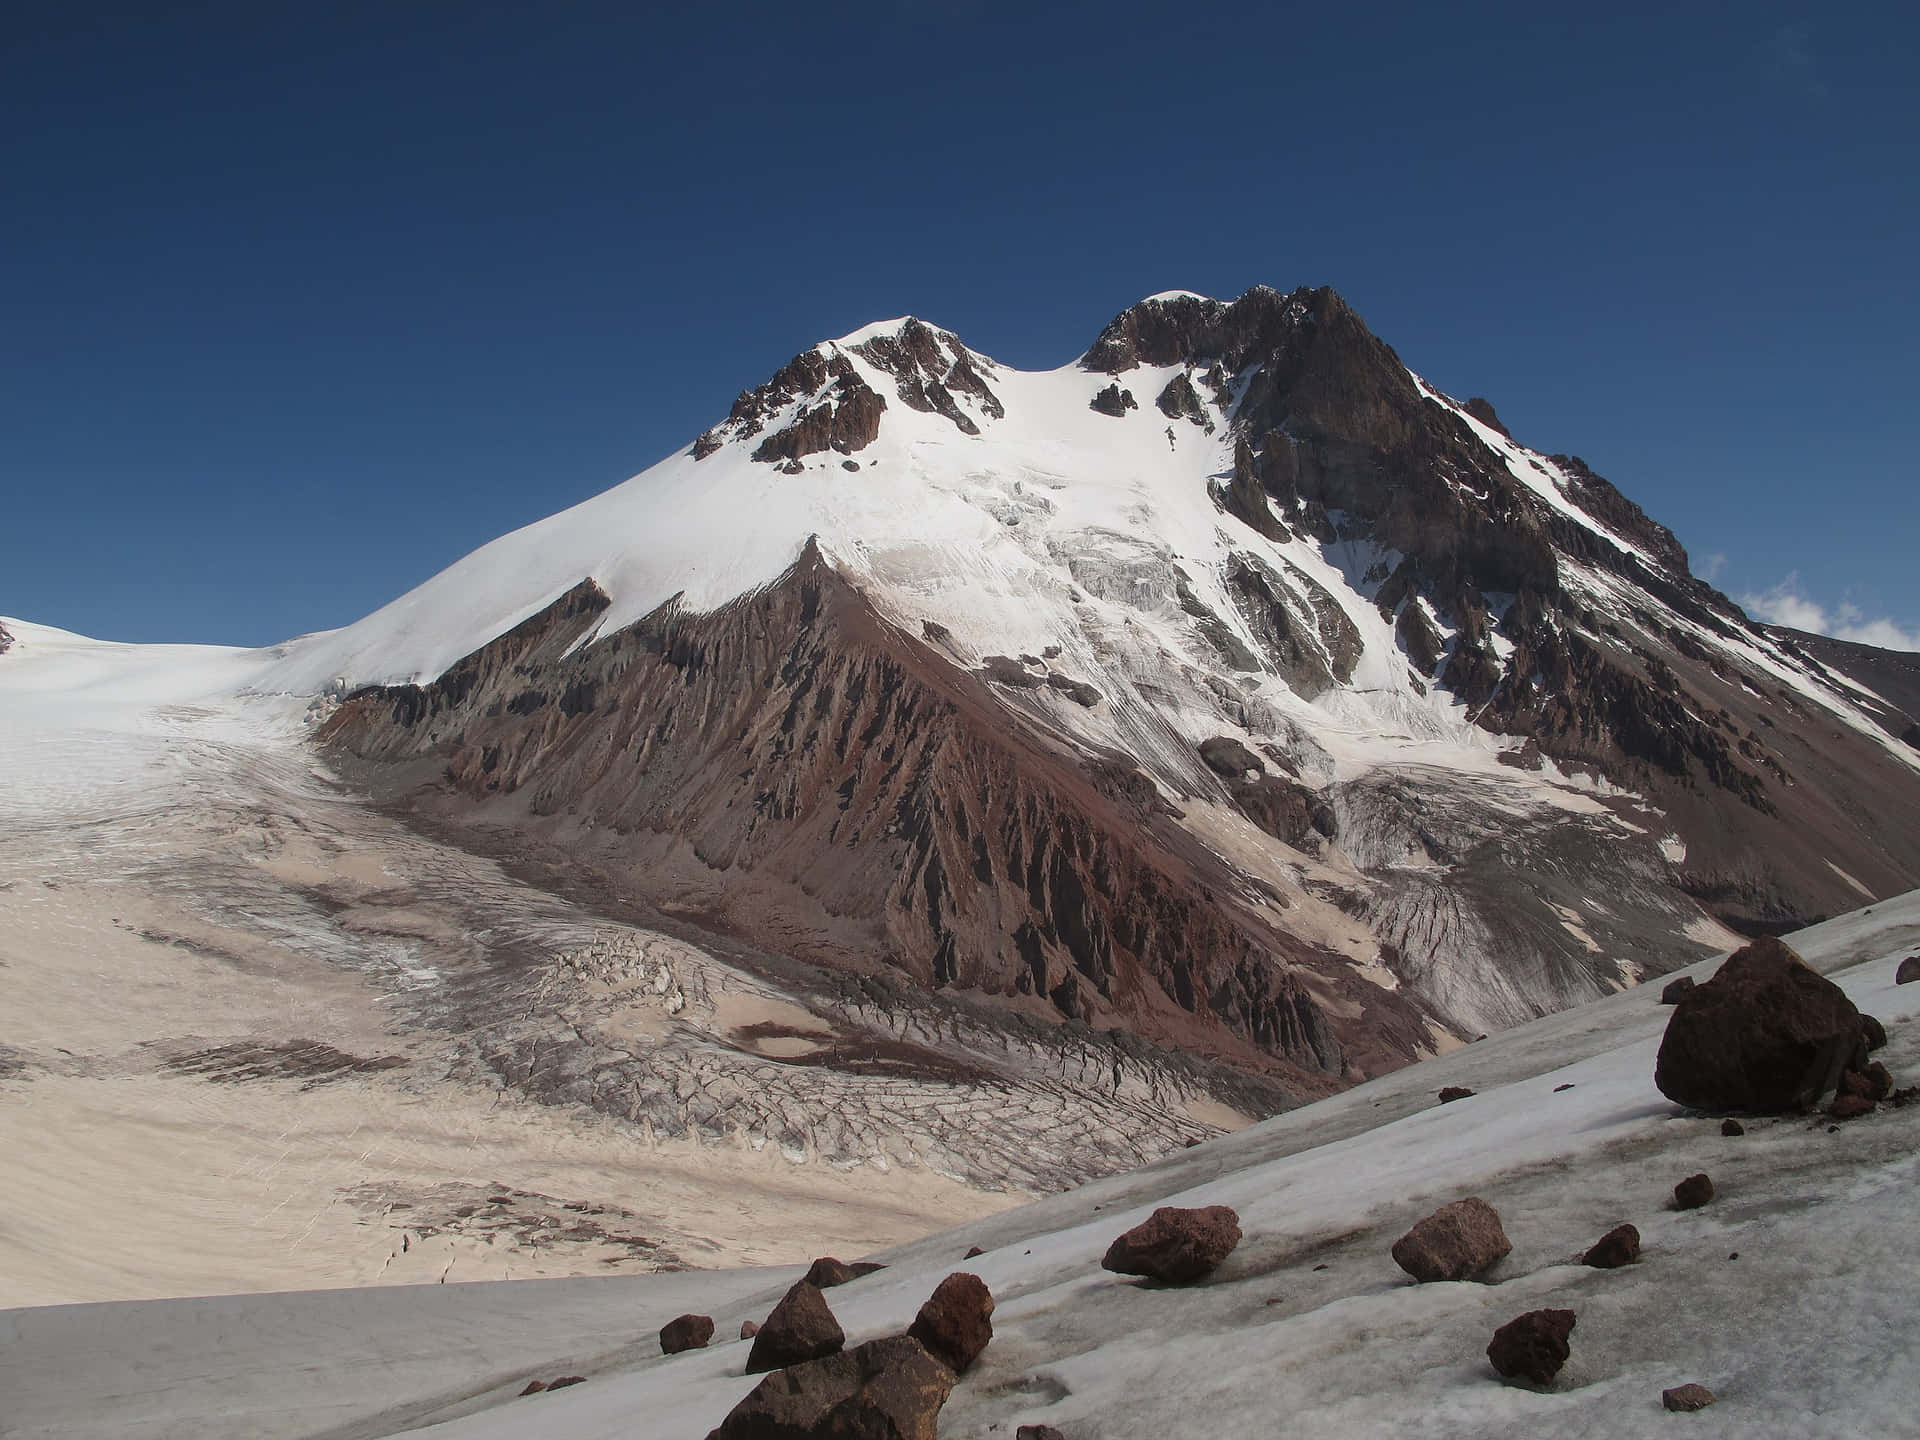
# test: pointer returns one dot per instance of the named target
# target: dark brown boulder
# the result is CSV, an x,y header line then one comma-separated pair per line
x,y
749,1329
1532,1347
534,1387
827,1272
1908,972
1226,756
1731,1126
565,1380
1692,1192
800,1328
1037,1432
888,1389
956,1322
1676,988
685,1332
1451,1093
1687,1397
865,1267
1875,1082
1460,1241
1619,1246
1176,1245
1850,1107
1765,1034
1873,1032
972,1250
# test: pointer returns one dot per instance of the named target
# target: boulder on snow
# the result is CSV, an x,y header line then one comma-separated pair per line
x,y
1460,1241
1451,1093
685,1332
1226,756
956,1322
972,1250
1908,972
1533,1346
534,1387
1874,1082
801,1328
1850,1107
827,1272
1619,1246
865,1267
1114,401
565,1380
749,1329
1874,1031
1176,1245
1692,1192
1676,988
1765,1034
1037,1432
1687,1397
1731,1126
889,1388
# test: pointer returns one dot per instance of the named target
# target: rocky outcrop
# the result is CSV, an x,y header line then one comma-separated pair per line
x,y
1693,1192
1765,1034
833,408
1461,1241
800,1328
1176,1245
1533,1347
866,801
826,1272
888,1389
6,640
956,1323
928,367
1180,401
1114,401
1688,1397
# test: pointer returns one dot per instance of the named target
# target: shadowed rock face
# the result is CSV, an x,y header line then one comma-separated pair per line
x,y
841,791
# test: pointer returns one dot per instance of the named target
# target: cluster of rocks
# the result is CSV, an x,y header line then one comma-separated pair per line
x,y
816,1386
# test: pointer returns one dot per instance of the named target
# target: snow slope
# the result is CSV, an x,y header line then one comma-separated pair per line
x,y
1791,1295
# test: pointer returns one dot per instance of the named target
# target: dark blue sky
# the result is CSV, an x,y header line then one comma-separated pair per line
x,y
299,304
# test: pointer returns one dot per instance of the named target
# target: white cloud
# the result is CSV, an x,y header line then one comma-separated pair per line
x,y
1787,604
1711,567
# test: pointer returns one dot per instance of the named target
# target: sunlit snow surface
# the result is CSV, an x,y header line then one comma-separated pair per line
x,y
1807,1333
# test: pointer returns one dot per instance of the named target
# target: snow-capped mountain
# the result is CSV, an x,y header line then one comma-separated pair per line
x,y
1230,687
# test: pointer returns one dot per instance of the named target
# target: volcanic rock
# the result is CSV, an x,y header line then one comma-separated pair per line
x,y
1176,1245
1765,1034
800,1328
1451,1093
956,1322
1676,988
972,1250
1850,1107
1227,756
1532,1347
826,1272
1460,1241
1692,1192
1731,1126
889,1389
1875,1082
1908,972
686,1332
1619,1246
1687,1397
749,1329
1114,401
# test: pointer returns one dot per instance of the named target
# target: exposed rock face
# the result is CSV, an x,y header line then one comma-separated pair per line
x,y
1180,401
836,410
1676,988
1176,1245
956,1322
1765,1034
1687,1397
1114,401
1619,1246
686,1332
872,799
800,1328
1482,410
888,1389
6,640
1461,1241
1693,1192
1532,1347
929,365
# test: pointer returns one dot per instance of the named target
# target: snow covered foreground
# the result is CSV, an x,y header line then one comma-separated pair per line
x,y
1309,1327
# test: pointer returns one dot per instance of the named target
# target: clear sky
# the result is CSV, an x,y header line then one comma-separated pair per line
x,y
299,304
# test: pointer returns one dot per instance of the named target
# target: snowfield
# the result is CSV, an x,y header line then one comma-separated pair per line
x,y
1791,1295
